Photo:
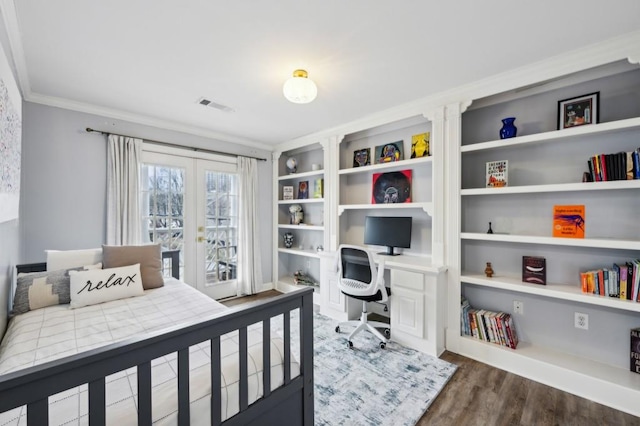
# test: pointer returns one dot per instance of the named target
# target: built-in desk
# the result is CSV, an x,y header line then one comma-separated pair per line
x,y
418,299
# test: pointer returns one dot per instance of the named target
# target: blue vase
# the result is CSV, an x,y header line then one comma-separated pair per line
x,y
508,129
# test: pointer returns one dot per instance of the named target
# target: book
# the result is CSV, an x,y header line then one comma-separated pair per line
x,y
389,152
287,192
534,270
623,280
318,188
635,350
361,157
497,173
568,221
420,145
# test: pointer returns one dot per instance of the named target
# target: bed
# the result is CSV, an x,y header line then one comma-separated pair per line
x,y
147,360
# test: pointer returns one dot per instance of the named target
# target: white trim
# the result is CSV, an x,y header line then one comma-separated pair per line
x,y
10,17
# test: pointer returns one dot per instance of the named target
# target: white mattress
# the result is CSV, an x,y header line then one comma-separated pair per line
x,y
57,331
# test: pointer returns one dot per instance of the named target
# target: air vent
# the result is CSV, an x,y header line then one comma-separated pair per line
x,y
211,104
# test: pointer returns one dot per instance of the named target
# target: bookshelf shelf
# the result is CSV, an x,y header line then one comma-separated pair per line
x,y
560,187
297,176
396,165
607,243
561,291
302,201
298,252
427,207
557,135
302,227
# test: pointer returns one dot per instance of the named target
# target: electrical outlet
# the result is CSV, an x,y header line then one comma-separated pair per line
x,y
581,321
518,307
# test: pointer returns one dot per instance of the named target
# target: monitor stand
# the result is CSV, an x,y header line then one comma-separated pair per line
x,y
389,252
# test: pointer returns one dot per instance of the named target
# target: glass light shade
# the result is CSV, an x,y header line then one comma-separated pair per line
x,y
300,89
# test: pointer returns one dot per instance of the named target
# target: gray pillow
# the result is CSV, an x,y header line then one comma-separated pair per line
x,y
41,289
149,256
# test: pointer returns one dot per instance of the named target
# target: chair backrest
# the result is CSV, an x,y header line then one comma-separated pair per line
x,y
357,272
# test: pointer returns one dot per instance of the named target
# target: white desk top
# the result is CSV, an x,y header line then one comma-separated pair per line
x,y
421,264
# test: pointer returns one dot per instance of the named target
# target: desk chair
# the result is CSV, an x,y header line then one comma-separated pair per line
x,y
359,279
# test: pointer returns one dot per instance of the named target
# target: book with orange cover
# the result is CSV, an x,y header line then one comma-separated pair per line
x,y
568,221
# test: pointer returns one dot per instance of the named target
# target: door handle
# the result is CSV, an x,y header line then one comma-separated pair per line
x,y
200,239
200,228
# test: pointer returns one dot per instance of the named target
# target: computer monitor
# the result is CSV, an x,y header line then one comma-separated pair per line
x,y
388,231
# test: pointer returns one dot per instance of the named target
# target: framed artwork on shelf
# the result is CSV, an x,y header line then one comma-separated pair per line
x,y
391,187
389,152
420,145
303,190
578,111
318,188
497,174
287,192
361,157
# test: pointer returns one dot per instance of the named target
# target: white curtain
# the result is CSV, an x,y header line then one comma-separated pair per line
x,y
249,262
123,182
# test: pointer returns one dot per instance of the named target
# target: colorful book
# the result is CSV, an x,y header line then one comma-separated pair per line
x,y
635,350
420,145
569,221
497,173
318,188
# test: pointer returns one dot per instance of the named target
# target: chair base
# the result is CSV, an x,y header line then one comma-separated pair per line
x,y
365,324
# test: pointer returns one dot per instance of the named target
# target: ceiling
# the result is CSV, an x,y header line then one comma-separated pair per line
x,y
150,61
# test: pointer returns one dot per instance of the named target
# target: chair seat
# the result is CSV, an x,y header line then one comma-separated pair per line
x,y
372,298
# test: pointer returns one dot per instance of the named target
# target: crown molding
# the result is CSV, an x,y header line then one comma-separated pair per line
x,y
141,119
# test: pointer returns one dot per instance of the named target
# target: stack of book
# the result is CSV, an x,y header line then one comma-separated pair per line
x,y
621,281
618,166
493,327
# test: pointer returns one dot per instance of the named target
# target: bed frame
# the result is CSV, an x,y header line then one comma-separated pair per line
x,y
290,404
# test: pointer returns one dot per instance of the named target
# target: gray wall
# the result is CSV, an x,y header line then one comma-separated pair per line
x,y
64,179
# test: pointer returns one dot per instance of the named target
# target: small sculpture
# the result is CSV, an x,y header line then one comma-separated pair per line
x,y
490,231
320,248
488,270
297,215
292,165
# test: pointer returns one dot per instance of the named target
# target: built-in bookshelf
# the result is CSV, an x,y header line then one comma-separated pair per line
x,y
545,169
309,235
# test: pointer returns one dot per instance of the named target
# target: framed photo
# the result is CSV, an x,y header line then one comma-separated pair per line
x,y
391,187
578,111
389,152
287,192
303,190
361,157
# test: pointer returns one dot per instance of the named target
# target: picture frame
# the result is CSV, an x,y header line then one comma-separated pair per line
x,y
287,192
303,190
420,145
579,111
389,152
362,157
391,187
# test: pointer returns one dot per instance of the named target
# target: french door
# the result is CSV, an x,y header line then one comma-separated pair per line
x,y
191,204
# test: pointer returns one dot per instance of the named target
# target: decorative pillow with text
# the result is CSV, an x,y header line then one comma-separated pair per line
x,y
103,285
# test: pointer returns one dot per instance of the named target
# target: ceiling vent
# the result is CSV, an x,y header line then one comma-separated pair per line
x,y
208,103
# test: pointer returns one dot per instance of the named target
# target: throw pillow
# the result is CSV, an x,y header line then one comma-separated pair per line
x,y
37,290
103,285
148,256
67,259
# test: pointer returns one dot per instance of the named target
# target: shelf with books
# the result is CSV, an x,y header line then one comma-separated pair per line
x,y
561,291
555,136
607,243
560,187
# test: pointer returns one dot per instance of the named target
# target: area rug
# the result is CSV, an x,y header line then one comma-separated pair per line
x,y
367,385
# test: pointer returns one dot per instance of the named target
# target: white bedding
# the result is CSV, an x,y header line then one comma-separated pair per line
x,y
54,332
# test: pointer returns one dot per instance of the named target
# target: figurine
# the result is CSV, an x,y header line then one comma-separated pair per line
x,y
490,231
488,270
297,215
288,240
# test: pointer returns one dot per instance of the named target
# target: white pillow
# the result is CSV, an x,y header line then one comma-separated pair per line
x,y
103,285
67,259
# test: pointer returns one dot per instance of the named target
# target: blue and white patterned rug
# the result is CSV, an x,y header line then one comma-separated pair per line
x,y
367,385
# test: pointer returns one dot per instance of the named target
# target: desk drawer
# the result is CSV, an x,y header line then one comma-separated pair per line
x,y
405,279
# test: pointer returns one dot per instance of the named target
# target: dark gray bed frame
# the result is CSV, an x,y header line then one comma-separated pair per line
x,y
290,404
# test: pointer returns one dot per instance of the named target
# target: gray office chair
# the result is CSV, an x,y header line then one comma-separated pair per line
x,y
359,278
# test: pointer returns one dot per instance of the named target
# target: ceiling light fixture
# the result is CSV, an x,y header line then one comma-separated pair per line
x,y
300,89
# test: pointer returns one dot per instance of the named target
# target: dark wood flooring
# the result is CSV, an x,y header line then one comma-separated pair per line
x,y
479,394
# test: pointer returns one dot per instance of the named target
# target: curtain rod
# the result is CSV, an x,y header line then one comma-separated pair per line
x,y
175,145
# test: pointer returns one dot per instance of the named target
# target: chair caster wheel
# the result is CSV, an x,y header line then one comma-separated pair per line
x,y
387,332
383,345
338,329
350,344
